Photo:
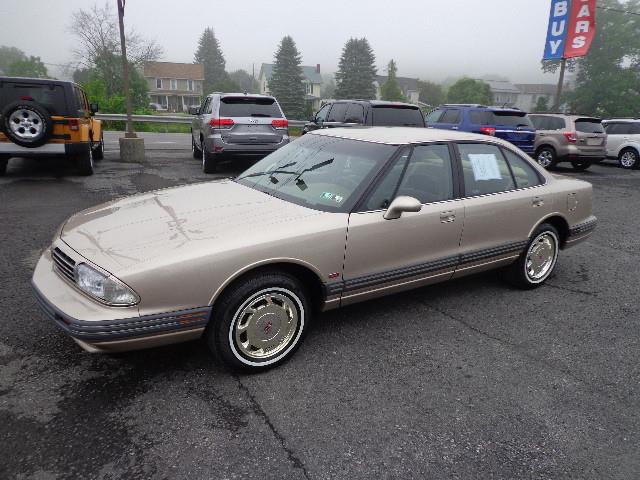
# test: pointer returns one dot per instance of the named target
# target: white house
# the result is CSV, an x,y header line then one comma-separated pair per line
x,y
409,87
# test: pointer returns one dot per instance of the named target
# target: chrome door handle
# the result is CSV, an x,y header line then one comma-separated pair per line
x,y
447,217
537,202
454,128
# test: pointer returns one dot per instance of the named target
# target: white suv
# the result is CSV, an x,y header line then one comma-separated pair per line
x,y
623,141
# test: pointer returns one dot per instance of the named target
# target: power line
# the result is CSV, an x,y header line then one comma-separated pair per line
x,y
619,11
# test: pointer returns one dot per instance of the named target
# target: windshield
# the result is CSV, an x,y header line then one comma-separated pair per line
x,y
318,171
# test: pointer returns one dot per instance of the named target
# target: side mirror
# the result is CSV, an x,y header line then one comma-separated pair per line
x,y
93,108
194,110
401,205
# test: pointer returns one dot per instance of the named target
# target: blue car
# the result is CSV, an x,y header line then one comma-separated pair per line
x,y
509,124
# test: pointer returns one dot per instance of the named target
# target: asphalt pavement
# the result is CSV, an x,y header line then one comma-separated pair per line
x,y
468,379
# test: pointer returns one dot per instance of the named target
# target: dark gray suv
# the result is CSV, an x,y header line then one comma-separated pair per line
x,y
229,124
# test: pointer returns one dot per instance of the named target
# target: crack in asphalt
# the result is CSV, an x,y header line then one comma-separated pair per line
x,y
259,411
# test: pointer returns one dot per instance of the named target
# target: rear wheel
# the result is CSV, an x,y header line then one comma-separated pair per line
x,y
209,161
580,165
537,262
98,149
628,158
260,322
546,157
4,160
195,149
84,161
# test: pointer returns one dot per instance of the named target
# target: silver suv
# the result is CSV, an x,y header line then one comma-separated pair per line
x,y
576,139
623,141
236,124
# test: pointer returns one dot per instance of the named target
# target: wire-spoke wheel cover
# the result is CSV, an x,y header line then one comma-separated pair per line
x,y
541,257
266,326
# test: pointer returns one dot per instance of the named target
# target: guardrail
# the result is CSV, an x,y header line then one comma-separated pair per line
x,y
120,117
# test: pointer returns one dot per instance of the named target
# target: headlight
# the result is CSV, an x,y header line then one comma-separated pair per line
x,y
104,288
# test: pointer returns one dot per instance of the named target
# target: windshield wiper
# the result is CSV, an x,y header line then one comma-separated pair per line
x,y
270,172
260,115
301,183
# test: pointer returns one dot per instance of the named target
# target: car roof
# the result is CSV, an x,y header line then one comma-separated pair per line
x,y
241,94
44,81
377,103
572,116
622,120
402,135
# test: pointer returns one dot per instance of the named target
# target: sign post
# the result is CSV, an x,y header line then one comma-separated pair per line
x,y
572,26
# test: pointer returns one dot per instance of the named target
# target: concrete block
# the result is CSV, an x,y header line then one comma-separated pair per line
x,y
131,149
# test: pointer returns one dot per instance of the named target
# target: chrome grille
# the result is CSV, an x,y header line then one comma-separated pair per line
x,y
64,264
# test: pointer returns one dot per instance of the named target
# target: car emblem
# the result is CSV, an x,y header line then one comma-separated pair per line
x,y
253,120
267,327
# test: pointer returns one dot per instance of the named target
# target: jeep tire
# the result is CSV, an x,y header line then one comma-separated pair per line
x,y
84,160
26,123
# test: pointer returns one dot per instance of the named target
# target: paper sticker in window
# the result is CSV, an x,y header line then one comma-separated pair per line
x,y
485,166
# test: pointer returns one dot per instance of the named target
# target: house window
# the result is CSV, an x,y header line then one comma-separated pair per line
x,y
190,85
159,83
174,84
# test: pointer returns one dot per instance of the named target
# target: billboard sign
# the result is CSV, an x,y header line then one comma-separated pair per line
x,y
572,26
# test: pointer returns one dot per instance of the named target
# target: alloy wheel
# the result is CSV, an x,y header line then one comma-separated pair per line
x,y
545,158
26,124
629,159
541,257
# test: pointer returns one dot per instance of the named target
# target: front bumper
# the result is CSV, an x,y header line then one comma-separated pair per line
x,y
99,328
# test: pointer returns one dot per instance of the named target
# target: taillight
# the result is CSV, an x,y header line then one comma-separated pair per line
x,y
74,124
221,122
570,136
488,131
280,123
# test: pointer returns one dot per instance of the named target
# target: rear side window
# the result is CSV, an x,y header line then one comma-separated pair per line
x,y
338,112
512,119
478,117
587,125
355,114
623,128
51,97
397,116
547,123
485,170
249,107
451,116
523,173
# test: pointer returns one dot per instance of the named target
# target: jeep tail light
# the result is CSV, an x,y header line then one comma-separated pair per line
x,y
74,124
221,122
488,131
280,123
570,136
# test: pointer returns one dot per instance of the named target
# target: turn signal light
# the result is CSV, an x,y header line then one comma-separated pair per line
x,y
488,131
221,122
570,136
280,123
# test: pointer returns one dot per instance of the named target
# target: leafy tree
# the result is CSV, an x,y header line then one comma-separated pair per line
x,y
244,81
431,93
356,71
542,105
608,78
286,80
29,67
114,102
9,56
468,90
210,56
390,90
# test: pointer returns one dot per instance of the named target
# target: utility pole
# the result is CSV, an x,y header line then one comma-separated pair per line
x,y
125,70
556,104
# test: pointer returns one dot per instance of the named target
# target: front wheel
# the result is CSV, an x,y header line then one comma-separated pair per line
x,y
537,262
628,159
580,165
259,323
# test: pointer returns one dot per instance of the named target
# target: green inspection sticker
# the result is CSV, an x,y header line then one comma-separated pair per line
x,y
327,195
332,196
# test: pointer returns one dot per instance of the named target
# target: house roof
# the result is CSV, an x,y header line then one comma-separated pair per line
x,y
310,73
405,83
501,86
537,88
191,71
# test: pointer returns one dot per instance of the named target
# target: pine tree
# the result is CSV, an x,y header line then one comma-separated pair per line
x,y
210,55
390,90
356,71
286,80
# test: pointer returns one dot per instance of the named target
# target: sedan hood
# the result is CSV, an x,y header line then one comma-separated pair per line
x,y
166,225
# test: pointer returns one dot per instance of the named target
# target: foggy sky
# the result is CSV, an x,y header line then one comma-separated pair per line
x,y
429,39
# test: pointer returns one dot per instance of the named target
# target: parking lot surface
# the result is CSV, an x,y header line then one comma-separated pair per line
x,y
469,379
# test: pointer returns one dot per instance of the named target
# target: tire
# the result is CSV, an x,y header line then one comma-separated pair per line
x,y
4,160
580,166
546,157
238,332
98,151
629,159
544,243
195,149
209,161
26,123
84,162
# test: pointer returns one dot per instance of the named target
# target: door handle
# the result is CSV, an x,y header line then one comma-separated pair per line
x,y
454,128
447,217
541,134
537,202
